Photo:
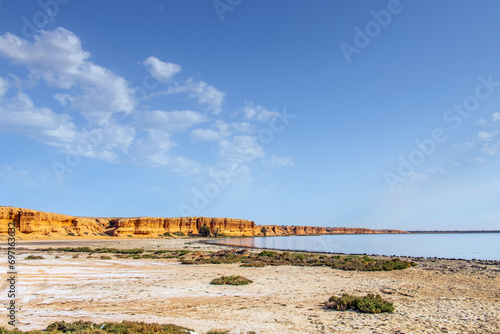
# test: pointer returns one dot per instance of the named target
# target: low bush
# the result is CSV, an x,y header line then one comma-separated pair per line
x,y
253,264
368,304
105,257
87,327
34,257
231,280
205,230
179,234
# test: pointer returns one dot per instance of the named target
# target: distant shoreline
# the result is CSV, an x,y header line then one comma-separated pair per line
x,y
453,232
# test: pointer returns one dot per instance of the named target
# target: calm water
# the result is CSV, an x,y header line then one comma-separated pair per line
x,y
485,246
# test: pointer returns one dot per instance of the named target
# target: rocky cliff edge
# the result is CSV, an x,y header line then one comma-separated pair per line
x,y
41,223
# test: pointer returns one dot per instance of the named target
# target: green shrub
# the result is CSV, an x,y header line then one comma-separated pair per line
x,y
64,327
124,327
253,264
162,251
368,304
167,234
267,253
374,304
34,257
105,257
179,234
205,230
343,303
231,280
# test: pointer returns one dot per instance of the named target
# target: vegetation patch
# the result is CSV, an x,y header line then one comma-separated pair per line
x,y
249,259
231,280
105,257
274,258
205,230
368,304
34,257
179,234
87,327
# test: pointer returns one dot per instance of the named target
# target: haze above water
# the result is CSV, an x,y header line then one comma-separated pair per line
x,y
467,246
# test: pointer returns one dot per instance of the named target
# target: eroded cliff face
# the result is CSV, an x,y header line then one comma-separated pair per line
x,y
275,230
186,225
52,224
45,223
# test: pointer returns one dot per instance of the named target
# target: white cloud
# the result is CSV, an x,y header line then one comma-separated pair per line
x,y
440,170
251,111
205,135
4,86
63,99
172,121
241,149
481,122
58,58
491,148
496,117
153,150
206,95
280,161
20,115
487,135
159,70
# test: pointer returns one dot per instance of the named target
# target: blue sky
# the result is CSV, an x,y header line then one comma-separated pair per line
x,y
378,114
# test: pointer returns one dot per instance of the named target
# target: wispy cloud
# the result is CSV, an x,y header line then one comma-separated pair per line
x,y
257,112
276,160
58,58
91,100
206,95
487,135
159,70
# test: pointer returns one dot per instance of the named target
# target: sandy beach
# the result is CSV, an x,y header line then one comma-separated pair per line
x,y
437,296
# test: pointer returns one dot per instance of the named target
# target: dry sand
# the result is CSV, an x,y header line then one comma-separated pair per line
x,y
440,296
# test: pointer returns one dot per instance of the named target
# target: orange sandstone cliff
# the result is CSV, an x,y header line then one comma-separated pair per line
x,y
39,223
